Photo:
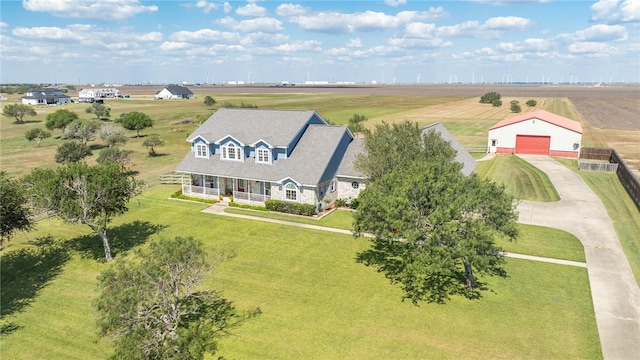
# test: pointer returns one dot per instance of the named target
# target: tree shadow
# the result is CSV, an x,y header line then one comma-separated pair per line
x,y
157,154
25,272
122,238
94,147
28,122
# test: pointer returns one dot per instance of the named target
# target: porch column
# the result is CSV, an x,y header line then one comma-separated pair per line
x,y
204,186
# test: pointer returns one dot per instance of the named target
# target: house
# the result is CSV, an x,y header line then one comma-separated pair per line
x,y
45,96
174,92
257,155
89,95
469,164
539,132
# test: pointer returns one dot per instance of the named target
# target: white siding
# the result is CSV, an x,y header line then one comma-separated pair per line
x,y
561,139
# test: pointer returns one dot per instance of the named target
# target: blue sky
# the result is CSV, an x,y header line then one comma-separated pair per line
x,y
386,41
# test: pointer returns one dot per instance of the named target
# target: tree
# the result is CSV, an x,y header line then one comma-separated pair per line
x,y
15,212
489,97
18,111
71,152
82,194
434,228
355,123
515,106
59,119
99,110
114,155
152,141
113,135
496,103
137,121
37,135
82,130
531,102
153,306
209,101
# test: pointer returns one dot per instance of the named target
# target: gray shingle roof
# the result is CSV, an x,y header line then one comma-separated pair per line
x,y
276,127
346,168
462,155
178,90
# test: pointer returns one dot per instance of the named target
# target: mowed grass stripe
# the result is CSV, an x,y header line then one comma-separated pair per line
x,y
521,179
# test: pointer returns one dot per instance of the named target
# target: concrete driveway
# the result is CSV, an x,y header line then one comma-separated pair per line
x,y
615,293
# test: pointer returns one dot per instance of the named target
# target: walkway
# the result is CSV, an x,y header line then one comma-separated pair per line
x,y
615,293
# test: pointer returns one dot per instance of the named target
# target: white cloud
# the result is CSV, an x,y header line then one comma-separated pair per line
x,y
613,11
431,14
465,28
420,30
227,7
354,43
204,35
264,39
150,36
174,45
528,45
3,25
300,46
46,32
206,6
395,2
84,9
251,9
291,10
590,47
336,23
263,24
602,32
507,23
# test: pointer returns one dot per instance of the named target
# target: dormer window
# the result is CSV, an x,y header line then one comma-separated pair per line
x,y
231,152
263,156
202,150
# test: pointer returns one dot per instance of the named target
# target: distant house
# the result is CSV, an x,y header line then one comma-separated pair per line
x,y
90,95
45,96
174,92
257,155
539,132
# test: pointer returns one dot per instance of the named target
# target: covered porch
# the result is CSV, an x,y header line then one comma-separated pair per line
x,y
211,187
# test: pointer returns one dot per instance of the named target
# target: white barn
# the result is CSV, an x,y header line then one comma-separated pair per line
x,y
539,132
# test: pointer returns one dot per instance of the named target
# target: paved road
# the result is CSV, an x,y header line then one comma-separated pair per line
x,y
615,293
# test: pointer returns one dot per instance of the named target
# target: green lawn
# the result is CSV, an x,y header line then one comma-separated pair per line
x,y
523,180
621,209
317,302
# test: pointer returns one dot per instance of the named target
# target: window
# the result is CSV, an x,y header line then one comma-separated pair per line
x,y
231,152
262,156
332,187
291,192
201,150
355,185
494,142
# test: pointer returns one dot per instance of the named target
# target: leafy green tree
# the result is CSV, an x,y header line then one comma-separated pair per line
x,y
515,106
137,121
82,130
59,119
151,142
82,194
114,155
71,152
113,135
434,228
496,103
18,111
531,102
154,307
355,123
15,212
37,135
99,110
209,101
489,97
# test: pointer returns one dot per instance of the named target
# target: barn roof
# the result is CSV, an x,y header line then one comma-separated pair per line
x,y
546,116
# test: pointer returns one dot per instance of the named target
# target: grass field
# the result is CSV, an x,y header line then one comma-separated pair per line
x,y
317,302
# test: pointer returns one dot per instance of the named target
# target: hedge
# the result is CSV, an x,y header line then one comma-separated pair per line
x,y
290,207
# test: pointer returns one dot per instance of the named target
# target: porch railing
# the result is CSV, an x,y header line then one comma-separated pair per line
x,y
245,196
200,191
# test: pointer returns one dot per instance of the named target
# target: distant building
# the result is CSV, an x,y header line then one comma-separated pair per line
x,y
45,96
174,92
538,133
90,95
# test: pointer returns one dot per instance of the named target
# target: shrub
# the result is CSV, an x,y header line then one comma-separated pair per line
x,y
354,203
178,195
515,107
341,202
247,206
496,103
531,102
290,207
490,97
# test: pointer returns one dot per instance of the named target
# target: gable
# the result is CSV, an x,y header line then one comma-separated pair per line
x,y
542,115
